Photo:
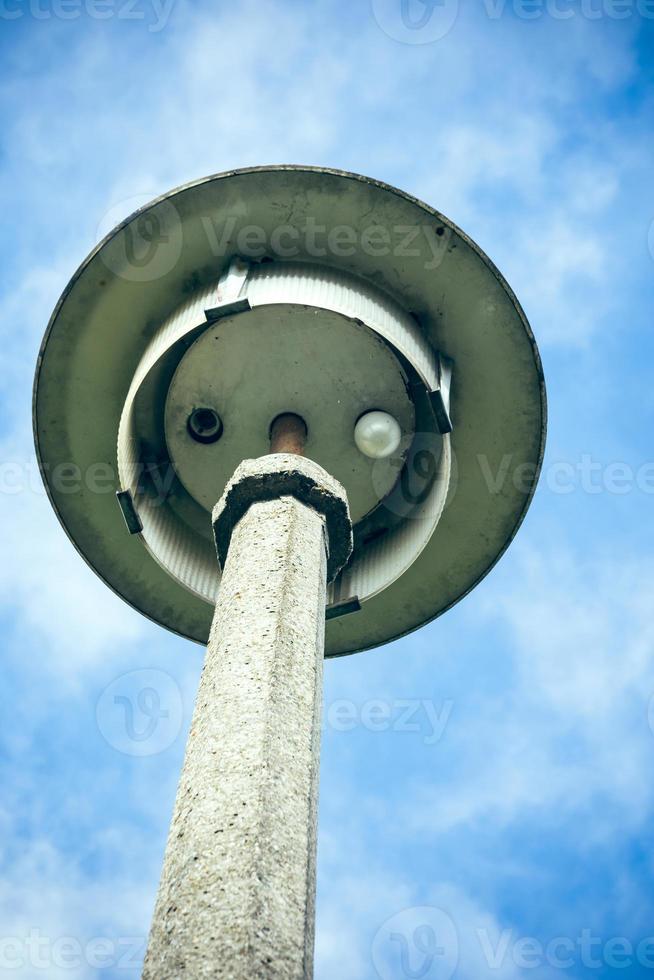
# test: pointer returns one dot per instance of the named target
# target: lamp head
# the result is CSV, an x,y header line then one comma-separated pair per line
x,y
304,292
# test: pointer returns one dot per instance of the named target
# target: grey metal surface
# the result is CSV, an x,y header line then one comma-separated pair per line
x,y
110,312
300,347
286,357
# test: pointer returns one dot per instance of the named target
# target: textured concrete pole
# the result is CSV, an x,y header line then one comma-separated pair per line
x,y
237,893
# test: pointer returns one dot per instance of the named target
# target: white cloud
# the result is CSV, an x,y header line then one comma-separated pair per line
x,y
571,730
58,922
559,269
504,163
366,915
59,603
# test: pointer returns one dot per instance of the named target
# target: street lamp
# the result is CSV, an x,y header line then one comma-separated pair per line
x,y
324,413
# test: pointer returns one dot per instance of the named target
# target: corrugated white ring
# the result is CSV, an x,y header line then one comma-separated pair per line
x,y
188,557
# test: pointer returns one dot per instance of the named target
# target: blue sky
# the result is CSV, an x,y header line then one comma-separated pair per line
x,y
515,816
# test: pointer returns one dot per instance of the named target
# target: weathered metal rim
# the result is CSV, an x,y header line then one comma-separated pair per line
x,y
358,178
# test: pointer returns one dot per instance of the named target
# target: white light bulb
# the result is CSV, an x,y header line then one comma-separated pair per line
x,y
377,434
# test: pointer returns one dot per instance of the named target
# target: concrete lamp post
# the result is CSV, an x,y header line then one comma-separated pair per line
x,y
307,386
